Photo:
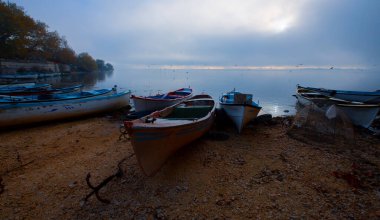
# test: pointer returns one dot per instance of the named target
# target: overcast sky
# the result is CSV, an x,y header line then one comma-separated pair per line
x,y
218,32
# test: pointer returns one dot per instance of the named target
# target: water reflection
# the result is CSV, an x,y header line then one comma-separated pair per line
x,y
88,80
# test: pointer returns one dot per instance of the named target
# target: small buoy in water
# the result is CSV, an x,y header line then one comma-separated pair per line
x,y
286,111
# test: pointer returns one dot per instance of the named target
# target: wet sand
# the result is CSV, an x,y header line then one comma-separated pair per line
x,y
262,173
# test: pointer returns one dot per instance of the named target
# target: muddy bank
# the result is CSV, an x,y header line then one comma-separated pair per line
x,y
264,172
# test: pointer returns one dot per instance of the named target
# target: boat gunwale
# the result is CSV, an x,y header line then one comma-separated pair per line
x,y
359,105
15,102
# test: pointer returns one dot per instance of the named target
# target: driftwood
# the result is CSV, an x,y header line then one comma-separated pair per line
x,y
95,189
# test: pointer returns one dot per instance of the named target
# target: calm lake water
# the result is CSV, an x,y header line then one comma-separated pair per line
x,y
273,89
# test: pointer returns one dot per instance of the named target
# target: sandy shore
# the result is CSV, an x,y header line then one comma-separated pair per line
x,y
261,173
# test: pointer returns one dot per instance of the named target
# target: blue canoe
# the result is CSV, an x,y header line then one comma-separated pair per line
x,y
26,91
22,87
5,99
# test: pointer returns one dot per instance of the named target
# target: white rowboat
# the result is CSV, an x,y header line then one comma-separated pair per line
x,y
240,108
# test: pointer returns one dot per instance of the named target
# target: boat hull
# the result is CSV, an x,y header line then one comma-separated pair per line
x,y
360,115
20,114
241,115
153,143
302,100
154,146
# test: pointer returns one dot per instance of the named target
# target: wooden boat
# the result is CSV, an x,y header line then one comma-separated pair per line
x,y
157,136
5,99
34,112
39,91
160,101
354,96
360,114
239,107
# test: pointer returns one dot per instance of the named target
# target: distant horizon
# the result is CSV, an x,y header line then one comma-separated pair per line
x,y
236,67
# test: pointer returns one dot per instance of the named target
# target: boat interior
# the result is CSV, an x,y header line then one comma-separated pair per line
x,y
189,112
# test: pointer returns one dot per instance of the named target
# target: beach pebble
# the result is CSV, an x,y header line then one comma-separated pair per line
x,y
286,122
159,213
73,184
82,203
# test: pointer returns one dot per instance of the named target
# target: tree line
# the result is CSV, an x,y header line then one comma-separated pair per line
x,y
23,38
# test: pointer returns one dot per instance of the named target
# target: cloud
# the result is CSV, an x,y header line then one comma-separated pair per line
x,y
218,32
209,17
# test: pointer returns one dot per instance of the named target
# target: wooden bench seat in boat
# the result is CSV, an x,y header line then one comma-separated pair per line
x,y
189,112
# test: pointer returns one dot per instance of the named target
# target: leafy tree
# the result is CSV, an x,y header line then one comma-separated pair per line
x,y
22,37
66,56
85,62
100,64
35,43
15,27
109,67
51,46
